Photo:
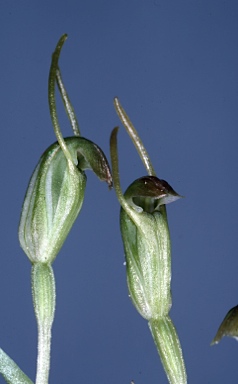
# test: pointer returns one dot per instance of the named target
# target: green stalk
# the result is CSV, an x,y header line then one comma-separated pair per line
x,y
43,292
169,348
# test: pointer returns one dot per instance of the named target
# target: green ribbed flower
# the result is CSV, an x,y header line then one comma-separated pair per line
x,y
145,235
146,240
52,203
56,190
55,195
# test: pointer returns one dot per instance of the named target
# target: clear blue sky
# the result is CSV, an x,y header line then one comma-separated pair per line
x,y
174,67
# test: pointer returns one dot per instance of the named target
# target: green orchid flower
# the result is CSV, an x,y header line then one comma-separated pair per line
x,y
52,203
56,189
146,239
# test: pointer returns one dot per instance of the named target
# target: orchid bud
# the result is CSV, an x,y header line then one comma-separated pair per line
x,y
56,190
147,247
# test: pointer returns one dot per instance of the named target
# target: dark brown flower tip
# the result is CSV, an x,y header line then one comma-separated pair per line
x,y
228,327
149,192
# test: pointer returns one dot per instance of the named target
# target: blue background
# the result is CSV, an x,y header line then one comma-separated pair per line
x,y
174,67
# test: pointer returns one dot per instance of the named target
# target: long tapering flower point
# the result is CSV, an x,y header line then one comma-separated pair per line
x,y
146,240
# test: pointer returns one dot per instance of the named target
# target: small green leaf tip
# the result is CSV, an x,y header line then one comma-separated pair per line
x,y
228,327
56,190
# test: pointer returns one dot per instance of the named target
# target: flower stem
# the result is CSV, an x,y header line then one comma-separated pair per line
x,y
169,349
43,357
43,292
